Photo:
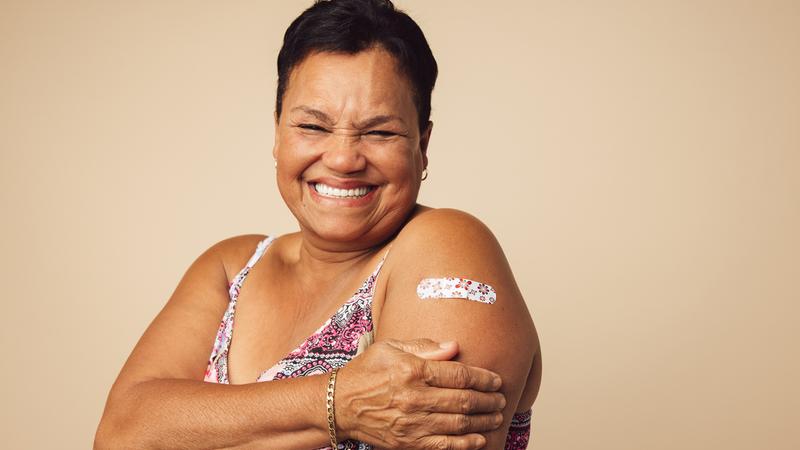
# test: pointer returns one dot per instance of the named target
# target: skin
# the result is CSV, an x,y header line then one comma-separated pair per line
x,y
327,130
391,395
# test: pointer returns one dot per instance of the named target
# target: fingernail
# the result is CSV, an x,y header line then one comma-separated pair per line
x,y
497,382
446,344
502,402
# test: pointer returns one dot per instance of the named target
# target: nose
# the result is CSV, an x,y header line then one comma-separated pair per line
x,y
343,154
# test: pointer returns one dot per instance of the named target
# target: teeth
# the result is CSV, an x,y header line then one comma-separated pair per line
x,y
329,191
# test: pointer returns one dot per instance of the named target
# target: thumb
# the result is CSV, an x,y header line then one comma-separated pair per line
x,y
427,348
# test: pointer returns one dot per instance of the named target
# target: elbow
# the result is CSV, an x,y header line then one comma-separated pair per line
x,y
110,435
103,437
122,425
115,432
106,437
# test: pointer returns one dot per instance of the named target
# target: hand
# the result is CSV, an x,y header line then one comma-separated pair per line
x,y
407,395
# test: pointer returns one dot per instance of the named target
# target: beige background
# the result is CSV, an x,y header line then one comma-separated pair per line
x,y
639,161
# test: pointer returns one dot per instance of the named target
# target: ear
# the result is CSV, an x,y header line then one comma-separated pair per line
x,y
424,139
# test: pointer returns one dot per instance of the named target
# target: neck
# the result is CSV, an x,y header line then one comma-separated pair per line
x,y
319,260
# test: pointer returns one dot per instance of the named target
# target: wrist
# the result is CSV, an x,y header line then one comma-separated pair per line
x,y
342,407
330,407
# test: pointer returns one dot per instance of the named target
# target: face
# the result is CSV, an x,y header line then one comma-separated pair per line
x,y
349,151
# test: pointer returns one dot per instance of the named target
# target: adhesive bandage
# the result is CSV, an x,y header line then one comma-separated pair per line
x,y
451,287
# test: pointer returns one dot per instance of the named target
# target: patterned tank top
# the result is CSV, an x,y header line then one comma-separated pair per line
x,y
341,338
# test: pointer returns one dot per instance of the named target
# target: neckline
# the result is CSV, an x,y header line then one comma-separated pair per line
x,y
267,242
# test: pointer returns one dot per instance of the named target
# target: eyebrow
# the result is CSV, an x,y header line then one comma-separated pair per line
x,y
368,123
314,112
379,120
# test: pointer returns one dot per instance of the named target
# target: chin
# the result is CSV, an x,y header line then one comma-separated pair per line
x,y
344,238
354,233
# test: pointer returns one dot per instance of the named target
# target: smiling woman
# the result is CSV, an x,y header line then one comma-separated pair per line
x,y
351,123
354,331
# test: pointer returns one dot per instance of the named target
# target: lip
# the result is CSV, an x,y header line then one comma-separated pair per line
x,y
346,202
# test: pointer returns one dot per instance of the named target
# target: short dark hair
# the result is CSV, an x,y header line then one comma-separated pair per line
x,y
351,26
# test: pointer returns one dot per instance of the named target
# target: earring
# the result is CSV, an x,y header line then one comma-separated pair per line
x,y
424,173
276,162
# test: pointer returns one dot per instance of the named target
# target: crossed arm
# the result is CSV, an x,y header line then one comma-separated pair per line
x,y
158,401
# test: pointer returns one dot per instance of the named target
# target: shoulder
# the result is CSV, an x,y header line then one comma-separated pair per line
x,y
235,251
443,219
448,239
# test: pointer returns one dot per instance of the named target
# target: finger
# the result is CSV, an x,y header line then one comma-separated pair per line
x,y
426,348
466,442
463,401
441,423
452,374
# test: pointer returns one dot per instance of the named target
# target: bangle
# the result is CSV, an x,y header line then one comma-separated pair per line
x,y
329,405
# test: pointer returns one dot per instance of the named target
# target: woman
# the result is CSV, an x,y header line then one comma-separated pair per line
x,y
352,132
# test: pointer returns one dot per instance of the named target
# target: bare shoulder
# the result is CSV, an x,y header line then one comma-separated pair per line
x,y
178,339
449,240
235,251
443,220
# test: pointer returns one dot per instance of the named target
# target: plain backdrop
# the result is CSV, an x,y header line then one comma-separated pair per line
x,y
639,162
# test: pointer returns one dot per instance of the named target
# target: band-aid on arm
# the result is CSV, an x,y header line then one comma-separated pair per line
x,y
451,287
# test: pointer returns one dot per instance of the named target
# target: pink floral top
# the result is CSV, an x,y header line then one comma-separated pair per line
x,y
343,336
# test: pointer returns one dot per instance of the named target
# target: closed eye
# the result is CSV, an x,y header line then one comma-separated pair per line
x,y
381,133
311,127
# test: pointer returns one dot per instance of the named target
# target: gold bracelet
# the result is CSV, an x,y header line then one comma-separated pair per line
x,y
329,405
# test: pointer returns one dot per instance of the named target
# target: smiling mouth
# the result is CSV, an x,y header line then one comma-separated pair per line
x,y
332,192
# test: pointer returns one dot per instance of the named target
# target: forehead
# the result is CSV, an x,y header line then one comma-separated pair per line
x,y
369,81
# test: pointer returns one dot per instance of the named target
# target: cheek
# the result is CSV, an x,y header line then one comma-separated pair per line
x,y
294,153
400,171
399,161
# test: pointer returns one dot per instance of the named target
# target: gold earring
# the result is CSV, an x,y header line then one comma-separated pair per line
x,y
424,173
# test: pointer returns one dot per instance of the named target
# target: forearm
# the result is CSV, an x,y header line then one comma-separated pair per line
x,y
180,413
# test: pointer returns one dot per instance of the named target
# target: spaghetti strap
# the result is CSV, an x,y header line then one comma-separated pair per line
x,y
380,263
260,248
219,354
237,281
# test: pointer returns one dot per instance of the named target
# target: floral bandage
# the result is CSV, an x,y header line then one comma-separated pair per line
x,y
451,287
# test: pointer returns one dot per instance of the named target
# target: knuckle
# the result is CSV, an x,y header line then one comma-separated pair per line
x,y
462,424
466,403
407,369
416,345
426,341
428,374
406,400
422,342
461,376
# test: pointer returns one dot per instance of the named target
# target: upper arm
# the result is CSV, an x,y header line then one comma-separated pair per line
x,y
178,341
499,336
